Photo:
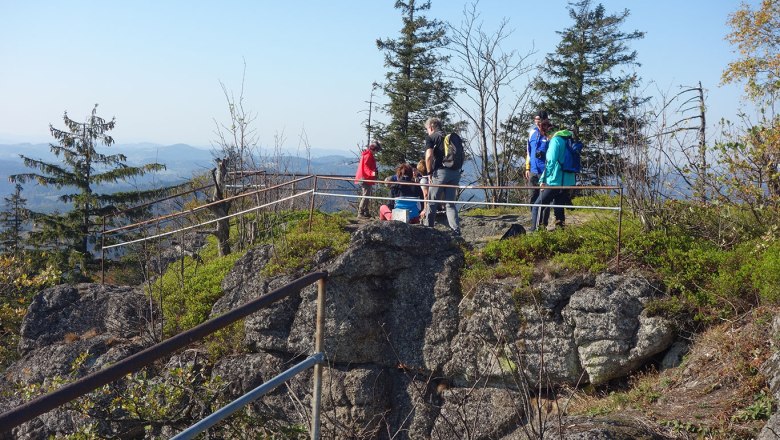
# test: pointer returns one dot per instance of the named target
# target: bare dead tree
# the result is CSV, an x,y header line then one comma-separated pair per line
x,y
370,128
220,210
666,155
689,159
236,143
486,74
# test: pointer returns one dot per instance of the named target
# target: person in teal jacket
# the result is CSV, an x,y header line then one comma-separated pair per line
x,y
552,177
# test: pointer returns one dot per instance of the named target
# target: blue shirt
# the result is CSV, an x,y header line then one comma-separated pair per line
x,y
537,142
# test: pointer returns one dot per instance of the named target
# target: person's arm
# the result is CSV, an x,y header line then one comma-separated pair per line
x,y
429,160
528,157
551,159
371,165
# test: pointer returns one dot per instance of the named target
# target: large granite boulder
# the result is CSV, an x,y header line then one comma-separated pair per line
x,y
578,330
771,370
106,322
69,332
121,312
613,333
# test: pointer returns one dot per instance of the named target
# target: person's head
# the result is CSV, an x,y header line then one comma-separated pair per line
x,y
415,171
404,170
421,167
546,127
375,146
433,124
540,116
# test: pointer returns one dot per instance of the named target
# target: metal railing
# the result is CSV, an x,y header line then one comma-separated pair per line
x,y
74,390
168,217
618,208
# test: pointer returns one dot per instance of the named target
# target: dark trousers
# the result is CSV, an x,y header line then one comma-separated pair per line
x,y
547,195
535,195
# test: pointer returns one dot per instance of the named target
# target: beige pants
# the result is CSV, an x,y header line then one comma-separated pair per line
x,y
364,206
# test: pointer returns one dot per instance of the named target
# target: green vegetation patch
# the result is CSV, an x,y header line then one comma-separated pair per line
x,y
492,212
299,243
188,293
188,289
706,278
20,280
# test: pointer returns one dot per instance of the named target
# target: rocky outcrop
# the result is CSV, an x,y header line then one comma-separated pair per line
x,y
399,330
771,370
68,332
409,355
580,330
63,322
479,230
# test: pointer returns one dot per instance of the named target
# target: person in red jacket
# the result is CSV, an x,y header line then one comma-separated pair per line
x,y
367,171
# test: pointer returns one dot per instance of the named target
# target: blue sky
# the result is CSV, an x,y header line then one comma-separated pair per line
x,y
157,65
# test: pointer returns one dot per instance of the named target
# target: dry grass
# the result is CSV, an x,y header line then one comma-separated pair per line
x,y
717,392
89,334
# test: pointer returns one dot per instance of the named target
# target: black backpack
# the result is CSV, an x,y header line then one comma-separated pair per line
x,y
453,152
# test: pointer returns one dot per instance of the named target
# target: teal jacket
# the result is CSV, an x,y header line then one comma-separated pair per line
x,y
553,174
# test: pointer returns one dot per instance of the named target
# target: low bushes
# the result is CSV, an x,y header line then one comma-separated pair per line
x,y
706,277
188,290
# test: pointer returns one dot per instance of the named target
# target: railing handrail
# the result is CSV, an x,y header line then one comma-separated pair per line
x,y
173,196
439,185
91,382
207,222
201,207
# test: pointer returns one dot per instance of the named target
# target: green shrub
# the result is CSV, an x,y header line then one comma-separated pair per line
x,y
20,279
720,224
706,280
188,296
600,199
766,274
492,212
297,245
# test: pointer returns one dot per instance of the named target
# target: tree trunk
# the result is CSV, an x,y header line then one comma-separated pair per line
x,y
222,209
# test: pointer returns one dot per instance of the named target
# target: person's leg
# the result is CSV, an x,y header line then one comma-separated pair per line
x,y
452,177
545,212
365,190
535,192
562,198
385,213
434,194
545,197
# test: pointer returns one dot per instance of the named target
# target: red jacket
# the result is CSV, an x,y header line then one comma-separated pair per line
x,y
367,167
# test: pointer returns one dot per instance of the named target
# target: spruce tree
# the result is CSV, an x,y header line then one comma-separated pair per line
x,y
83,168
415,86
12,222
583,87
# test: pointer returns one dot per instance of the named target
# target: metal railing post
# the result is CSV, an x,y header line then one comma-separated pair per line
x,y
103,253
620,229
311,201
319,327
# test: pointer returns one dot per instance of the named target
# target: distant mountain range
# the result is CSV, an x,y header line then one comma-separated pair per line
x,y
182,162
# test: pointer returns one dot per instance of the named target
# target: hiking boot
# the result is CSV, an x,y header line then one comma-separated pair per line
x,y
556,225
